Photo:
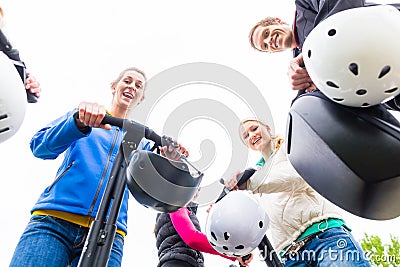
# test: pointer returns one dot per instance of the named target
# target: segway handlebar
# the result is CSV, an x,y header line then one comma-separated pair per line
x,y
242,178
131,124
148,134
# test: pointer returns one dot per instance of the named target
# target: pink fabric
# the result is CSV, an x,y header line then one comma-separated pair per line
x,y
190,235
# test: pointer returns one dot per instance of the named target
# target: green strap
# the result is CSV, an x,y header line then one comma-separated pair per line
x,y
321,226
261,162
318,227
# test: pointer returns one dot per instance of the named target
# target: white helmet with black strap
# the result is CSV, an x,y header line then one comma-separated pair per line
x,y
353,56
236,224
12,99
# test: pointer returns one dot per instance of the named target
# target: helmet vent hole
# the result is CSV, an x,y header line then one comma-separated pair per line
x,y
3,116
332,84
226,235
212,244
214,236
361,92
260,224
4,130
338,99
391,90
385,70
365,105
353,67
239,247
309,53
225,247
331,32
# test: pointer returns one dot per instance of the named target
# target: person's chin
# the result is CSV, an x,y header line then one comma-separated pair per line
x,y
133,103
257,147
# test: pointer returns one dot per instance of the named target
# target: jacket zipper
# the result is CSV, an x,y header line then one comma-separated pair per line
x,y
60,176
104,174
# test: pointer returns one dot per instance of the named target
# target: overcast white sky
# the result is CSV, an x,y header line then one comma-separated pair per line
x,y
76,48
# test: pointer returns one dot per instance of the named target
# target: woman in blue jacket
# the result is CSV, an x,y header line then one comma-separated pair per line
x,y
62,216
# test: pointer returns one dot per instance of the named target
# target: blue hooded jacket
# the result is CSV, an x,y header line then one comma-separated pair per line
x,y
83,175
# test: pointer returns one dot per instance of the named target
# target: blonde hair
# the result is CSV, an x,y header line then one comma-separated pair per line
x,y
122,73
277,140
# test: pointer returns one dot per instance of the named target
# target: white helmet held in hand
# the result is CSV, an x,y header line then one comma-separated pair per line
x,y
236,224
12,99
353,56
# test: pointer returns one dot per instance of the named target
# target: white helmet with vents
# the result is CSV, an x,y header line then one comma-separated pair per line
x,y
353,56
236,224
12,99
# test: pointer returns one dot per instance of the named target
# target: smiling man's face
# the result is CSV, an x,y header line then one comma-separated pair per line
x,y
273,38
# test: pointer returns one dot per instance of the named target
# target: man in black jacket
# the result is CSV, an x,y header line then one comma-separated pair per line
x,y
273,35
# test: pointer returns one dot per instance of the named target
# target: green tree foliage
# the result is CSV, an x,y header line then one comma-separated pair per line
x,y
379,254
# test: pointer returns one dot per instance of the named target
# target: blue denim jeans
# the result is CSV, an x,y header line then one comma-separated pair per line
x,y
333,247
49,241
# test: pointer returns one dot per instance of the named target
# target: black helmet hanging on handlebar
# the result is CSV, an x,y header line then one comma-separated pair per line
x,y
160,183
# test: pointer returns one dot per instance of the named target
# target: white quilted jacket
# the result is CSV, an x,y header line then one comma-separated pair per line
x,y
290,202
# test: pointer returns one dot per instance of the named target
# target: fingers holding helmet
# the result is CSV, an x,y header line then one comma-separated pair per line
x,y
174,151
231,183
32,85
298,75
245,260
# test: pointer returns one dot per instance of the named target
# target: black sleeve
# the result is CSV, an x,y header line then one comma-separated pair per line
x,y
327,8
393,104
12,54
309,13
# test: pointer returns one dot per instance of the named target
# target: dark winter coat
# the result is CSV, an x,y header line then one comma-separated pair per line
x,y
309,13
169,244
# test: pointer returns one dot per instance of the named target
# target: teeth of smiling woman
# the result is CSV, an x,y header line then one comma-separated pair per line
x,y
128,95
256,140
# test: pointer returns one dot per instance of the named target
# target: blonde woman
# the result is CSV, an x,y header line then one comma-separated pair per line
x,y
62,216
306,229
